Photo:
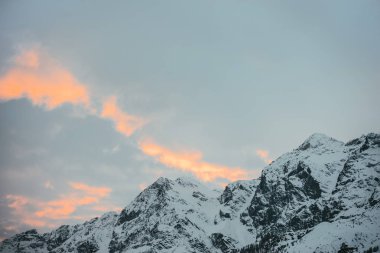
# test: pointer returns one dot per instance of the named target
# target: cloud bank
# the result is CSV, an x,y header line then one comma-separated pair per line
x,y
39,78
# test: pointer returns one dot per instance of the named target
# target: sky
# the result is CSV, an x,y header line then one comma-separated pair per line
x,y
98,99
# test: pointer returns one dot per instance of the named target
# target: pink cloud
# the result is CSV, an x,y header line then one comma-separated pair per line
x,y
124,123
29,58
20,204
264,155
43,81
90,190
45,214
191,161
67,204
142,186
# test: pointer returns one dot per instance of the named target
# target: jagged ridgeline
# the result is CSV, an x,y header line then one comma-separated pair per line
x,y
323,196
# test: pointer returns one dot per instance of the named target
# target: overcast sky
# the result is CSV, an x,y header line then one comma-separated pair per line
x,y
99,99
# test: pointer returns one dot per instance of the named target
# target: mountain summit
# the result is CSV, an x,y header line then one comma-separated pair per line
x,y
323,196
317,140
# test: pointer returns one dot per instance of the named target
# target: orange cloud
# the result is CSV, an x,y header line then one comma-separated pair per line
x,y
40,79
37,213
90,190
68,204
62,208
192,162
223,184
19,204
124,123
264,155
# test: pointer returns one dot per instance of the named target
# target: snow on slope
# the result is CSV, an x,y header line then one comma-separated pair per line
x,y
179,214
91,236
322,184
323,196
361,233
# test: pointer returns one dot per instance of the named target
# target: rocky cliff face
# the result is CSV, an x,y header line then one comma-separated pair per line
x,y
321,197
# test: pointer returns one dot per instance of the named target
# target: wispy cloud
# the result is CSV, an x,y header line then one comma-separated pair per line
x,y
142,186
191,161
21,210
99,192
37,213
43,81
63,207
106,208
112,150
124,122
264,155
48,185
28,58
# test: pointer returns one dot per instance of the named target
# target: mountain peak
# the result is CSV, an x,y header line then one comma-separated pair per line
x,y
162,181
317,139
162,184
317,198
187,181
365,142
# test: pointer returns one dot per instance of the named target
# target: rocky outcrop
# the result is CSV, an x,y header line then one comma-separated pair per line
x,y
321,182
323,196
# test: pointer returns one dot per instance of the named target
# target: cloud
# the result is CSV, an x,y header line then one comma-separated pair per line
x,y
20,205
106,208
29,58
100,192
223,184
124,123
48,185
264,155
191,161
142,186
43,81
112,150
63,207
47,214
39,78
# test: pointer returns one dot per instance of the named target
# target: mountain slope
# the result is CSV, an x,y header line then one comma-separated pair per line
x,y
91,236
323,186
323,196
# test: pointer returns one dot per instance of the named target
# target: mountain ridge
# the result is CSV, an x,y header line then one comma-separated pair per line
x,y
323,187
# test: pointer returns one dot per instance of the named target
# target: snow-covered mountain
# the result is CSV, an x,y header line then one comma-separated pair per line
x,y
323,196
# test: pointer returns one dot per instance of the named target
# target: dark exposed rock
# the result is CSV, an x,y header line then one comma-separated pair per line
x,y
222,242
224,215
226,195
87,247
56,239
321,185
124,216
344,248
199,195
